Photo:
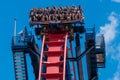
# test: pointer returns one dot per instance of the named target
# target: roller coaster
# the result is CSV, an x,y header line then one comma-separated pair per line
x,y
58,30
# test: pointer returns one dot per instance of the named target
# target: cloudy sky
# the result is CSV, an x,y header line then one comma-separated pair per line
x,y
105,14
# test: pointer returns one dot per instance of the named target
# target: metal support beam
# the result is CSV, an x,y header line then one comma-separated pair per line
x,y
73,65
79,62
81,55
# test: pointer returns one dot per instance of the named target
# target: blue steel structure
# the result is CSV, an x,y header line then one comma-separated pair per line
x,y
94,50
22,45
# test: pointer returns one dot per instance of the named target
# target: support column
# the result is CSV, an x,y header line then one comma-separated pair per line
x,y
79,63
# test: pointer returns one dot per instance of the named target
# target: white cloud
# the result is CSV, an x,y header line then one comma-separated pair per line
x,y
109,29
118,1
111,34
116,75
116,54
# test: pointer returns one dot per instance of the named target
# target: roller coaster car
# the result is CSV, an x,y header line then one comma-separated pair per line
x,y
69,26
32,23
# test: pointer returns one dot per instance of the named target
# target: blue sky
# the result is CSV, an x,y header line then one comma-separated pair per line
x,y
105,14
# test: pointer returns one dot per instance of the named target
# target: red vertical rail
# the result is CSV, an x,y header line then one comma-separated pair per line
x,y
65,54
40,67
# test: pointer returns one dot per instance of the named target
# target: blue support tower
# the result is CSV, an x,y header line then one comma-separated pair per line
x,y
23,44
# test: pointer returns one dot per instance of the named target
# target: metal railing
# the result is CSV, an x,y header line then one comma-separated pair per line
x,y
21,40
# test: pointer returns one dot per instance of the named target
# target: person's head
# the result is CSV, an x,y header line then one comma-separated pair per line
x,y
73,6
40,8
54,7
79,7
34,9
60,7
48,7
67,7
